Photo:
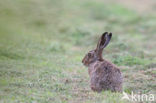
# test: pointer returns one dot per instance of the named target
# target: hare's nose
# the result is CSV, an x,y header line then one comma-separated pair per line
x,y
82,60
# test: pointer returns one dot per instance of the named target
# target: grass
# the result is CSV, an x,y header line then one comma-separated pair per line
x,y
42,44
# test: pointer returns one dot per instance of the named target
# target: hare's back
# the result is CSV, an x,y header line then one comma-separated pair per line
x,y
109,71
108,76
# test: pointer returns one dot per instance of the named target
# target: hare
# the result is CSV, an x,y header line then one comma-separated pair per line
x,y
103,74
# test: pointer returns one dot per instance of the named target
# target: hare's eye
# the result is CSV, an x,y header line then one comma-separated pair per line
x,y
89,54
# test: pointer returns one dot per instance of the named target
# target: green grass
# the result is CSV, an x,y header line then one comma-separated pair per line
x,y
42,44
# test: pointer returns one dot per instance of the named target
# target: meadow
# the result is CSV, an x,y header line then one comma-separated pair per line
x,y
42,43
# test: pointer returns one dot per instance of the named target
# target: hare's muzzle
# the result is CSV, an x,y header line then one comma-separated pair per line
x,y
83,60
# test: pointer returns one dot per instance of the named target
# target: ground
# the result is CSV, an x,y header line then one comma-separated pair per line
x,y
42,44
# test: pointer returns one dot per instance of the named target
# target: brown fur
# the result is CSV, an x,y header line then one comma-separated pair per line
x,y
103,74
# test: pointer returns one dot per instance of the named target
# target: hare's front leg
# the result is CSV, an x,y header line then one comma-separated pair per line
x,y
94,84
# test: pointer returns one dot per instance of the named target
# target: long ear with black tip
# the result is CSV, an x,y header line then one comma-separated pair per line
x,y
101,41
108,38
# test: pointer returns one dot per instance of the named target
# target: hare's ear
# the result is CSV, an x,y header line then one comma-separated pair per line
x,y
106,40
101,41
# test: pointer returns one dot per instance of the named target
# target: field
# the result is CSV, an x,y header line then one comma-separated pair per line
x,y
42,43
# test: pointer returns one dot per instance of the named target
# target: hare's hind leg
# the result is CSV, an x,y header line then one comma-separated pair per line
x,y
116,88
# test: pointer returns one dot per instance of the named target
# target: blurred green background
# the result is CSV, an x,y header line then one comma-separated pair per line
x,y
42,43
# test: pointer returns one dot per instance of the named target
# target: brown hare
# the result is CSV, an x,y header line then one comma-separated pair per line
x,y
103,74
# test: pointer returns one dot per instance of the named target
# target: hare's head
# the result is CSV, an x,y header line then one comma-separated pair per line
x,y
96,54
